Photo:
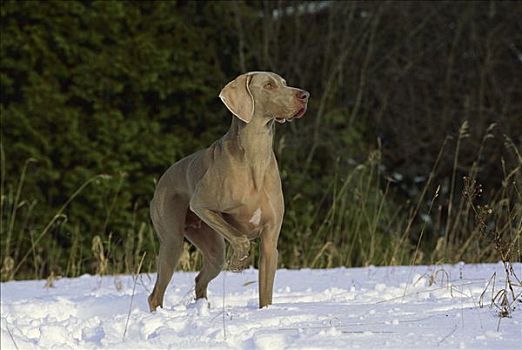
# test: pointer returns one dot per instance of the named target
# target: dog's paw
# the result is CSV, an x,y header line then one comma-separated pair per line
x,y
238,264
241,251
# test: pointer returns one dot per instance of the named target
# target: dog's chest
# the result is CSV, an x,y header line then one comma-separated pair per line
x,y
250,218
250,221
256,217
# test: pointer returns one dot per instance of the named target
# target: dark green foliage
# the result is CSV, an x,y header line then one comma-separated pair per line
x,y
124,89
115,88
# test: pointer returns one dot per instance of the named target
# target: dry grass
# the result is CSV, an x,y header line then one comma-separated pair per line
x,y
505,235
358,223
135,279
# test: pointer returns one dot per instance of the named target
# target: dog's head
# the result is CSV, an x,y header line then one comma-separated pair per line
x,y
264,95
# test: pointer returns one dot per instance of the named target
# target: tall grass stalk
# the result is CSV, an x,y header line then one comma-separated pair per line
x,y
2,184
420,200
16,204
58,214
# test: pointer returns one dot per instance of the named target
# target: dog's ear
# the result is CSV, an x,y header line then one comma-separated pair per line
x,y
237,97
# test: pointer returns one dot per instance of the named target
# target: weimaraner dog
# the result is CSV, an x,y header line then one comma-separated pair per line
x,y
229,191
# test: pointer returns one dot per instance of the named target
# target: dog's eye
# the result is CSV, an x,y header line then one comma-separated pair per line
x,y
269,86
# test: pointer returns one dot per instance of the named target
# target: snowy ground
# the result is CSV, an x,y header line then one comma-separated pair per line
x,y
366,308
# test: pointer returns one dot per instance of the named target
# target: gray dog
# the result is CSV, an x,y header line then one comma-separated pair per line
x,y
231,190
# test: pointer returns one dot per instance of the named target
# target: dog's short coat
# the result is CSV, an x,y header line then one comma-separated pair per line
x,y
229,191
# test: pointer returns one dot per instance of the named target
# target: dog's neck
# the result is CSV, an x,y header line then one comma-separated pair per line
x,y
254,142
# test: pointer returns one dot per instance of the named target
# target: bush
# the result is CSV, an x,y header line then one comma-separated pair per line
x,y
99,98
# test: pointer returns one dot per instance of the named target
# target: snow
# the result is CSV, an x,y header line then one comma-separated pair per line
x,y
357,308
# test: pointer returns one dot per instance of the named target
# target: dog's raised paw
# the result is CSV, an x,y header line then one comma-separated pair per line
x,y
240,254
238,264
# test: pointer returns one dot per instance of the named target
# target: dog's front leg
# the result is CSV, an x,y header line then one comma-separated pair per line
x,y
239,242
268,255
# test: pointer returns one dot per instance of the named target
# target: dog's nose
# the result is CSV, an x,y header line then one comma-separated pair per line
x,y
302,95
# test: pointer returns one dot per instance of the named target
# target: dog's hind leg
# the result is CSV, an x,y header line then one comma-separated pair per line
x,y
169,223
212,246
